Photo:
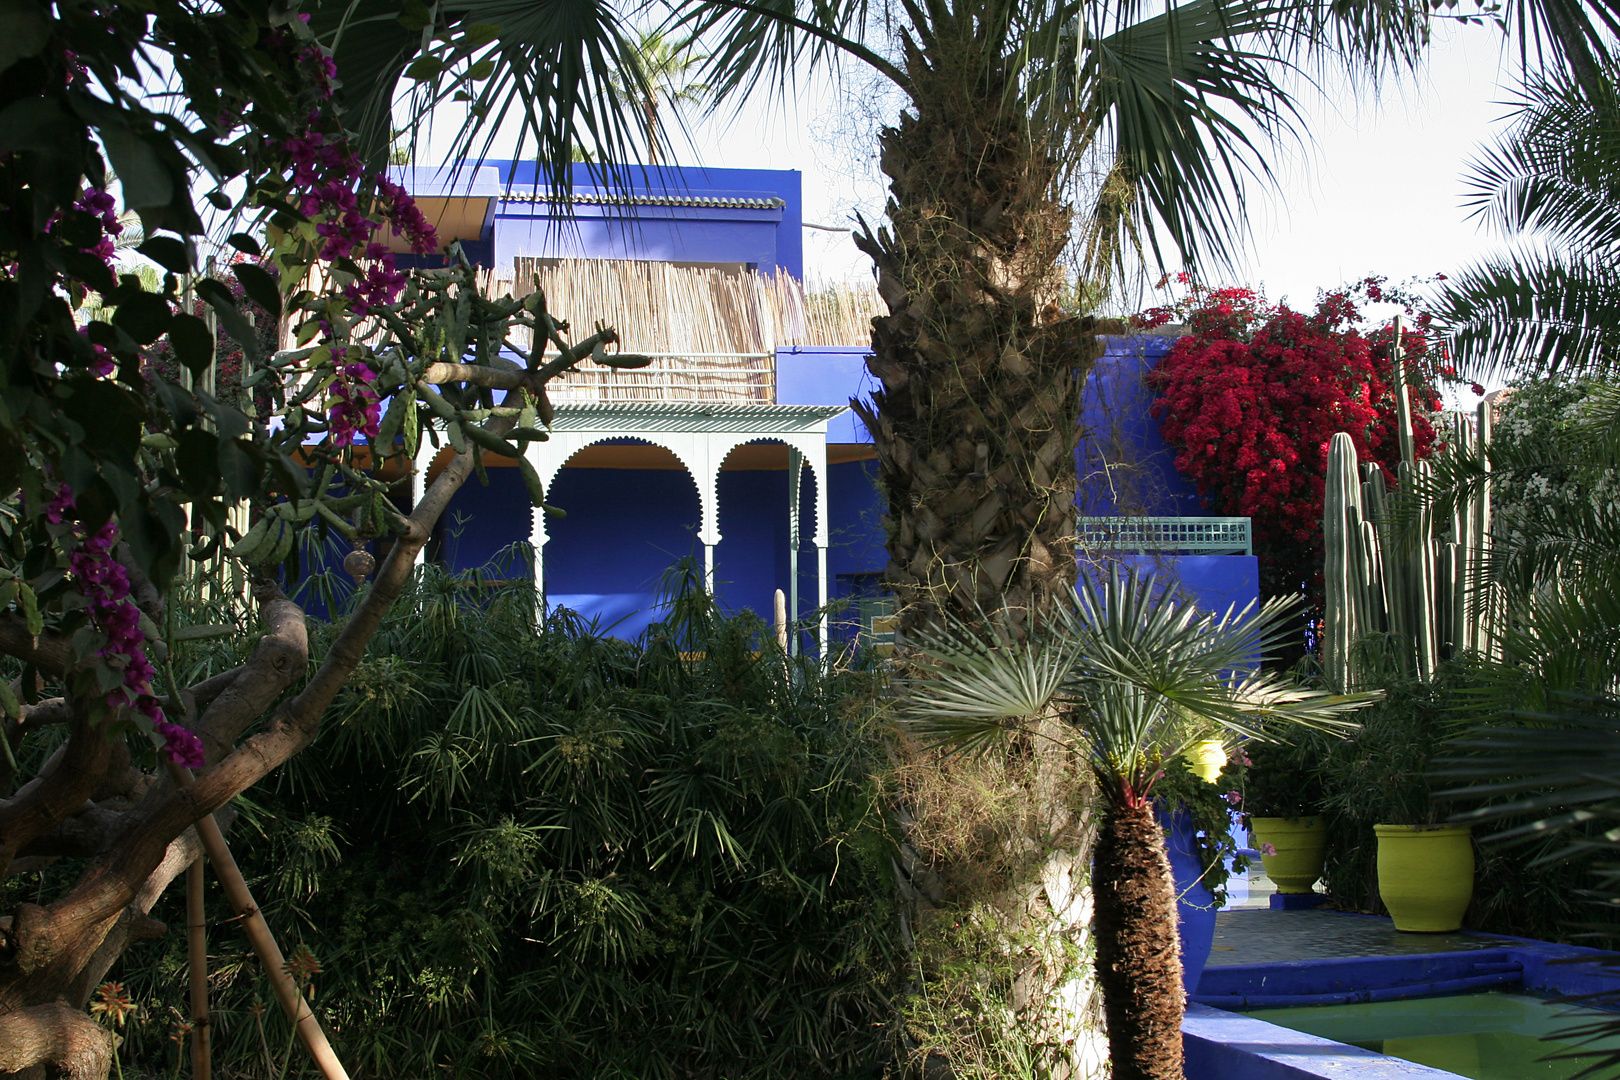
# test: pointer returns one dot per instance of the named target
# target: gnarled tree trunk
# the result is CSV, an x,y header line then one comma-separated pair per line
x,y
975,428
994,871
1138,952
67,1039
134,827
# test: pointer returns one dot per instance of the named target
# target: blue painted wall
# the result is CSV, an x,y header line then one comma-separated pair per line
x,y
604,565
1125,466
764,238
481,521
607,564
827,375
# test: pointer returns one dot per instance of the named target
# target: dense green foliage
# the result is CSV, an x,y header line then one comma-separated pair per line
x,y
1180,790
1389,772
522,853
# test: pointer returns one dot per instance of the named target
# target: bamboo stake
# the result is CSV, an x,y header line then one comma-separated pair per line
x,y
202,1065
263,942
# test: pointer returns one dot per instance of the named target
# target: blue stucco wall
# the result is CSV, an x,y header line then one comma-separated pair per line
x,y
764,238
481,521
605,561
827,375
600,564
607,564
1125,466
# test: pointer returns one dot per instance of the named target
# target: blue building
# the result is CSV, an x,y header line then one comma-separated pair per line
x,y
737,447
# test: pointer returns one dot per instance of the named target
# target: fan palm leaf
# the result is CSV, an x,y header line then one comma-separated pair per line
x,y
1137,675
1134,676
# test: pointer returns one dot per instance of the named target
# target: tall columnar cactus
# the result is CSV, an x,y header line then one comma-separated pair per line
x,y
1418,584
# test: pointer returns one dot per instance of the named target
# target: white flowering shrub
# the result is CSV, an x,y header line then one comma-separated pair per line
x,y
1535,420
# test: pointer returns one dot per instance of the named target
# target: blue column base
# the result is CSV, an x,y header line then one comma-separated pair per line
x,y
1296,901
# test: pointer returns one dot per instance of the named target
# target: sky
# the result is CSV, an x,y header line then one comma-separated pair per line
x,y
1377,189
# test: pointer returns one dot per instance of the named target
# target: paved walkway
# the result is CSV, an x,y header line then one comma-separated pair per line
x,y
1259,936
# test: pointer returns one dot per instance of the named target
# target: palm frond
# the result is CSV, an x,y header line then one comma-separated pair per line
x,y
764,45
1531,314
1136,675
1169,99
1566,762
565,74
1555,171
1576,35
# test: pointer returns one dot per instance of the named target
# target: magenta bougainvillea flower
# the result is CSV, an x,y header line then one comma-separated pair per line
x,y
104,583
356,409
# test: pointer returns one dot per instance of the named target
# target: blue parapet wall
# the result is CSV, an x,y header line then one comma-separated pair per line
x,y
827,375
751,217
1213,582
1125,465
1221,1045
1225,1045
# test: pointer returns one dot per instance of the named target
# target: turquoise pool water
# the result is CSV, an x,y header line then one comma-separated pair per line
x,y
1492,1036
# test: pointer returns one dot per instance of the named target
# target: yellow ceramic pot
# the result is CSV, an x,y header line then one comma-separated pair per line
x,y
1206,758
1292,850
1425,875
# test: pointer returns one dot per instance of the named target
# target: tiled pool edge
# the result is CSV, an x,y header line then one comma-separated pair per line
x,y
1540,968
1223,1045
1220,1045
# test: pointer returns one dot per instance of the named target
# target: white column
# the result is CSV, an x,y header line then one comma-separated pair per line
x,y
547,459
821,549
706,458
537,540
795,473
425,453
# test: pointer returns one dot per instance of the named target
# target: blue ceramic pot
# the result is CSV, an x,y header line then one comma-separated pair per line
x,y
1195,905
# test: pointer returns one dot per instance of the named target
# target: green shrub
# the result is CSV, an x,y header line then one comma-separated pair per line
x,y
524,853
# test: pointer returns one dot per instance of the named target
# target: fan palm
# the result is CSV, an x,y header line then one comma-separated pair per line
x,y
669,67
1134,677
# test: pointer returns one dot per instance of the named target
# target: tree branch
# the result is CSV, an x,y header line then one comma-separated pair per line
x,y
212,687
48,799
49,652
280,658
113,879
70,1041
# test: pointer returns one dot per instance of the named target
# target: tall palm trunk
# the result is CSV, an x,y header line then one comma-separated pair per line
x,y
975,427
1138,953
976,423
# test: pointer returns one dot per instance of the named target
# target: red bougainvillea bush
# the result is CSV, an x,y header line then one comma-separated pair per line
x,y
1252,396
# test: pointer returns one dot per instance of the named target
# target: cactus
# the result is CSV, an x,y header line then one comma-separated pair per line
x,y
1417,592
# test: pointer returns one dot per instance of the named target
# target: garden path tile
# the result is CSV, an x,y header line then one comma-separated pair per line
x,y
1262,936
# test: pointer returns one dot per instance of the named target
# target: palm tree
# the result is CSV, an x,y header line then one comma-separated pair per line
x,y
1554,177
1008,105
668,68
1011,106
1133,678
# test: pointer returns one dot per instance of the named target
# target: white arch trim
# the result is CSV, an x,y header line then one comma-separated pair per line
x,y
700,435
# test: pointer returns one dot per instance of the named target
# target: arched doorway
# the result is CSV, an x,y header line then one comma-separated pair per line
x,y
633,510
755,556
